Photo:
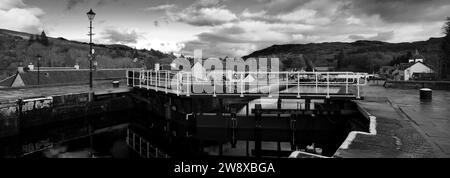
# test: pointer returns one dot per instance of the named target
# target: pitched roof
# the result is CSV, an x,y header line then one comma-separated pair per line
x,y
7,82
404,66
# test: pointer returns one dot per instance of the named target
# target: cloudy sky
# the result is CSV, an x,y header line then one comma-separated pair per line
x,y
228,27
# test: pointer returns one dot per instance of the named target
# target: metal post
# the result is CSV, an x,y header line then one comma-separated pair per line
x,y
188,84
287,82
167,80
242,85
317,83
39,66
346,83
357,86
257,82
150,76
128,77
178,84
298,85
39,71
91,55
156,80
214,83
214,92
140,79
328,85
231,87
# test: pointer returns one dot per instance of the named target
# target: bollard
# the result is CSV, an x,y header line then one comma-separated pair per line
x,y
425,94
115,84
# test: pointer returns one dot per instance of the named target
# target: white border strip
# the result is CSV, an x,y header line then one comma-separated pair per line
x,y
296,153
352,135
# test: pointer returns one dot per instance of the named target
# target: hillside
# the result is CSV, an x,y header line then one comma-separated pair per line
x,y
16,47
363,56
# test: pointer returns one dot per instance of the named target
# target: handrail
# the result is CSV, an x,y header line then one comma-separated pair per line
x,y
242,83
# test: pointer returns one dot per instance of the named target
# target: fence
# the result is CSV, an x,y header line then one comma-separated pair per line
x,y
248,83
143,147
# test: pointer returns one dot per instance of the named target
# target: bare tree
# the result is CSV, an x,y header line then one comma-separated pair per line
x,y
445,46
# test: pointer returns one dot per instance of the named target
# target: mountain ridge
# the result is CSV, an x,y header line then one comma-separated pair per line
x,y
370,54
20,47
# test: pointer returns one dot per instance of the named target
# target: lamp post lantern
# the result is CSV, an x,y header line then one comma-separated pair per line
x,y
91,16
39,65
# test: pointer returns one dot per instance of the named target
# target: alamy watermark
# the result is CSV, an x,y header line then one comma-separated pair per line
x,y
231,75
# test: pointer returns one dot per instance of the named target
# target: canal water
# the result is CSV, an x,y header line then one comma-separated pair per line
x,y
320,135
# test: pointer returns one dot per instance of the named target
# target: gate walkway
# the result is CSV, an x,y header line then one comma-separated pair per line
x,y
318,85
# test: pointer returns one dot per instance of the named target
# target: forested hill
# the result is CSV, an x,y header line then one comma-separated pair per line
x,y
16,47
363,56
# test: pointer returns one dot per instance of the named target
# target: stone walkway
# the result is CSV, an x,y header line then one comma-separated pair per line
x,y
11,95
406,127
431,118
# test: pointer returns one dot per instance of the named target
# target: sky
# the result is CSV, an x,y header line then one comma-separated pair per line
x,y
232,28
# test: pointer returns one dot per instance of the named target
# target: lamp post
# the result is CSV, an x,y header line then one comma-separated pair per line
x,y
39,65
91,16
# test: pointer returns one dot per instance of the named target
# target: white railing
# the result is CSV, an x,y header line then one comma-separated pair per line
x,y
143,147
249,83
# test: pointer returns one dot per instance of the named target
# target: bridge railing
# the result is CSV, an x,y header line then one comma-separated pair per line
x,y
246,83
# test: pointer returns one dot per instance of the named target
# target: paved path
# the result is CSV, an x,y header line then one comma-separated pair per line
x,y
406,127
395,136
11,95
431,118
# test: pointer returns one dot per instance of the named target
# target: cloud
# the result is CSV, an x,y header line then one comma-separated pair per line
x,y
156,23
241,38
401,11
286,6
101,3
112,35
15,15
72,3
236,28
380,36
204,13
9,4
161,7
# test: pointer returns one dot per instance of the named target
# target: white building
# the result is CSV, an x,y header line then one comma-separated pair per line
x,y
405,71
417,67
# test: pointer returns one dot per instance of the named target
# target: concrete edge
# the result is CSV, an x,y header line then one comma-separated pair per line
x,y
296,153
352,135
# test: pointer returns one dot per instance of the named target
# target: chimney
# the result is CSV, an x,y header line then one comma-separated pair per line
x,y
20,68
157,66
31,66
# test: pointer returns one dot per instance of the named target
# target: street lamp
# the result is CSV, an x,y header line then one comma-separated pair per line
x,y
39,65
91,16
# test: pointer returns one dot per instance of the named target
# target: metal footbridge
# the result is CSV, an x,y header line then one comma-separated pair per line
x,y
310,85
